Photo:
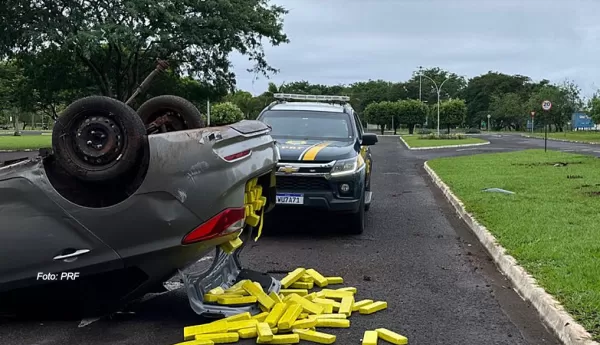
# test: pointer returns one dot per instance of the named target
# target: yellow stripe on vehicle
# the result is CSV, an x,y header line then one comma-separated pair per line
x,y
311,154
306,150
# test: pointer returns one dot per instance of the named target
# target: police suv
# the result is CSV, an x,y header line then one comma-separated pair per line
x,y
325,157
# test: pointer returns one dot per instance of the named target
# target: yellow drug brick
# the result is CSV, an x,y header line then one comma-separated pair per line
x,y
231,246
301,292
332,316
219,338
306,278
391,337
334,280
261,317
334,294
311,296
373,307
258,286
349,289
238,285
237,325
360,304
324,301
229,295
333,323
236,300
264,332
238,317
307,305
238,291
370,338
197,342
275,330
262,298
248,333
320,281
315,337
252,220
288,297
211,298
275,297
190,331
217,291
263,308
346,305
303,316
282,339
309,322
292,277
289,316
275,314
302,285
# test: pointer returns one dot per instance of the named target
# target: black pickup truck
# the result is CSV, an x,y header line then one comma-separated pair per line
x,y
325,157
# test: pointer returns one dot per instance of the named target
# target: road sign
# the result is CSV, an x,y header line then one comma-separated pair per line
x,y
546,105
532,113
489,116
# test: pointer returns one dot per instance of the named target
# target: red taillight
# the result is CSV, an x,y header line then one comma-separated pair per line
x,y
238,155
227,221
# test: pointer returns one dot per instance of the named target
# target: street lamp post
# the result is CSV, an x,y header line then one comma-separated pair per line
x,y
439,90
488,122
420,82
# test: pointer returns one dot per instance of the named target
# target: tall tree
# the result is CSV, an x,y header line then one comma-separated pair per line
x,y
508,111
452,88
452,113
411,113
561,110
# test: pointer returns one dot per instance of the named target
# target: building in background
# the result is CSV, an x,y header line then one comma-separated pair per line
x,y
582,122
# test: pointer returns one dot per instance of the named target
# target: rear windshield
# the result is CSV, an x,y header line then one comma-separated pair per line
x,y
299,124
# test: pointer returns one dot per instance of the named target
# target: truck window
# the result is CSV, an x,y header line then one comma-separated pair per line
x,y
317,125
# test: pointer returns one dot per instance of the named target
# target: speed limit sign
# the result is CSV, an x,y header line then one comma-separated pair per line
x,y
546,105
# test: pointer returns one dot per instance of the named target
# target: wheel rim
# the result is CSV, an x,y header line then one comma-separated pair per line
x,y
98,140
173,121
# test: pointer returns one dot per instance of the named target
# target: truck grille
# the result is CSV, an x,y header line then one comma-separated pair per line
x,y
302,183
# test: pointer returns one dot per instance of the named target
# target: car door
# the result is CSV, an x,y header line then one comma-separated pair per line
x,y
365,151
40,243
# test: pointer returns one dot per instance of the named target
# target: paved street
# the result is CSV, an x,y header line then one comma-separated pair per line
x,y
440,285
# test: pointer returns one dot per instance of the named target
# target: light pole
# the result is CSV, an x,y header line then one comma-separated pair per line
x,y
420,82
488,123
439,90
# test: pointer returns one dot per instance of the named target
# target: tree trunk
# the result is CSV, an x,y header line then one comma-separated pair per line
x,y
382,129
411,128
448,129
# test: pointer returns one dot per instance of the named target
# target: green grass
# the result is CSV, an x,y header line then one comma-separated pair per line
x,y
9,142
415,141
593,137
551,225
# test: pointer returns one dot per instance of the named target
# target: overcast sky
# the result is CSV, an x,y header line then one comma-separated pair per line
x,y
343,41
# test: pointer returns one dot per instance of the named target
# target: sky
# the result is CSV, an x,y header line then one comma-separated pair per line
x,y
344,41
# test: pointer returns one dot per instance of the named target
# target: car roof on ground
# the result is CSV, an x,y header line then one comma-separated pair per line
x,y
309,106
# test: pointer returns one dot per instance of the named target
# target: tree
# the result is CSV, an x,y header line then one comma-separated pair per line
x,y
452,113
243,100
119,40
594,108
508,111
225,113
412,112
452,88
561,110
380,113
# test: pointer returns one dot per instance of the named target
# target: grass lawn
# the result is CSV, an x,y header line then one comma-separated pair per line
x,y
415,141
593,137
9,142
551,225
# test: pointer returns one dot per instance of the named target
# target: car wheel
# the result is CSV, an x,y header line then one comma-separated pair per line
x,y
98,138
357,220
169,113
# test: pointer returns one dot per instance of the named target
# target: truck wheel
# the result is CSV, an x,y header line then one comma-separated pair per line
x,y
98,138
169,113
356,224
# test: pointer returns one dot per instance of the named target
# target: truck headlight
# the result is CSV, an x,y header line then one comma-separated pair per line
x,y
347,166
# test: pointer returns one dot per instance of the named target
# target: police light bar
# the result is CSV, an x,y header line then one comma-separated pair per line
x,y
318,98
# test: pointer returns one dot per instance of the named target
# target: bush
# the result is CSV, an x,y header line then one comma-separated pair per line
x,y
225,114
472,131
424,131
434,136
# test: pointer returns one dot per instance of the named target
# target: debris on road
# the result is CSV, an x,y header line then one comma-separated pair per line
x,y
498,190
287,317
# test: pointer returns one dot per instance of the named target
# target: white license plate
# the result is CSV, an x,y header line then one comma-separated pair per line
x,y
290,199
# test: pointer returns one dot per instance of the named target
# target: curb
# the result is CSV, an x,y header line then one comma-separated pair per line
x,y
550,310
563,140
10,151
441,147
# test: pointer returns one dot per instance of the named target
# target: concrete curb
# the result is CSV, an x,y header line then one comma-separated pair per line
x,y
550,310
440,147
563,140
9,151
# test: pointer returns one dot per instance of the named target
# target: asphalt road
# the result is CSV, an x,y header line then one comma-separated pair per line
x,y
415,254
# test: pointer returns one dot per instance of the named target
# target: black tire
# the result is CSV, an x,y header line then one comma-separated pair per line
x,y
356,220
182,113
98,138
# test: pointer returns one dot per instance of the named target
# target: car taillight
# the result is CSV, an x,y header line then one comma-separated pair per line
x,y
226,222
237,155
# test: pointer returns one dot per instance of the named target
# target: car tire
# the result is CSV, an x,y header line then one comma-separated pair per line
x,y
182,113
98,138
356,224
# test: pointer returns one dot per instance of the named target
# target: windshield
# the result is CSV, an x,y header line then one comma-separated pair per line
x,y
308,124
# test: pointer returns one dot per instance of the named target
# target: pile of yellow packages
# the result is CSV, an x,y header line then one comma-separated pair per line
x,y
290,316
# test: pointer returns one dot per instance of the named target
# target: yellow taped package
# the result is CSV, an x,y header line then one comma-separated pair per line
x,y
262,298
391,337
214,327
333,323
349,289
231,246
302,285
373,307
315,337
309,322
216,291
275,314
332,316
282,339
292,277
261,317
264,332
197,342
275,297
307,305
300,292
346,305
237,325
306,278
324,301
219,338
370,338
225,300
361,304
238,317
318,278
289,316
334,280
334,294
248,333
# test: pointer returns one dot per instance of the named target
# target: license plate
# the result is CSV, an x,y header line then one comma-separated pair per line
x,y
290,199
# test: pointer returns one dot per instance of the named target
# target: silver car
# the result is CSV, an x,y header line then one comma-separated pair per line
x,y
111,212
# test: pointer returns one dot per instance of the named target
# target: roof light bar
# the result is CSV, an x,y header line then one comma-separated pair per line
x,y
318,98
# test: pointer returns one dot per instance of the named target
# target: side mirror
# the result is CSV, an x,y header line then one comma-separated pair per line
x,y
369,139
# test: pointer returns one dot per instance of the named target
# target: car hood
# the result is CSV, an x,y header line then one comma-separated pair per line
x,y
293,150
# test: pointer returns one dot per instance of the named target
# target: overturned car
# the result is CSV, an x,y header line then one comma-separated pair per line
x,y
125,200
